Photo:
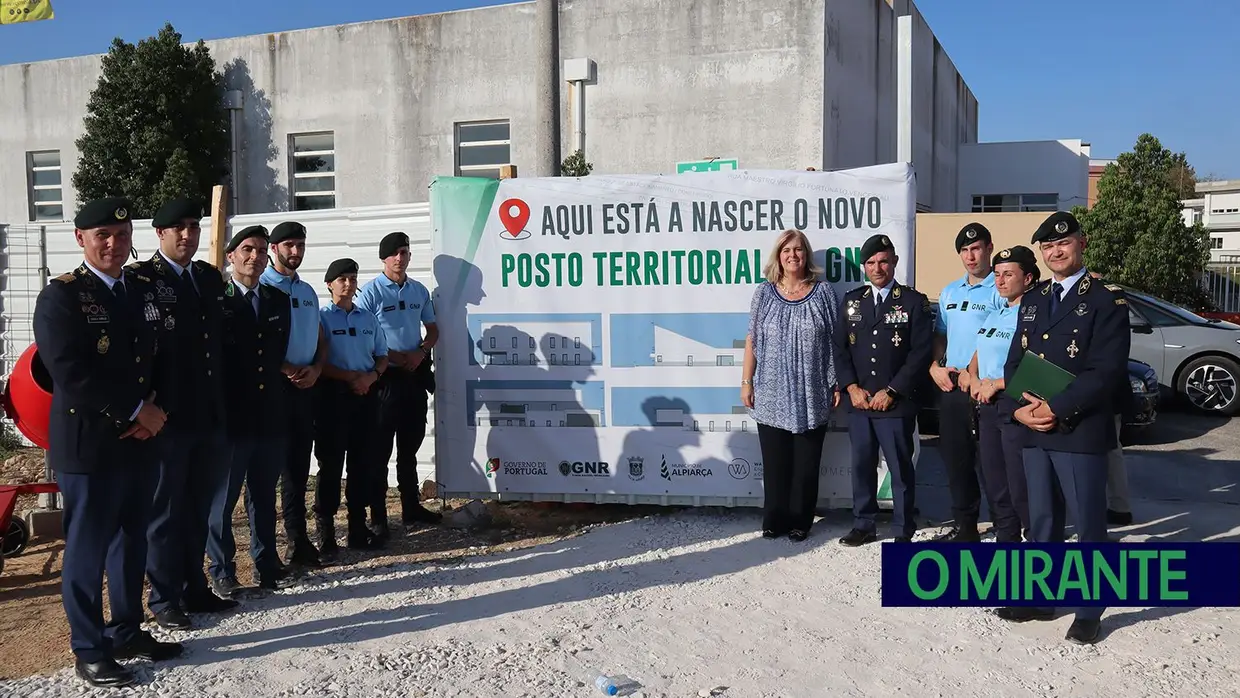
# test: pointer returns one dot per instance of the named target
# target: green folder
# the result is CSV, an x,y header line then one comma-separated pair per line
x,y
1037,376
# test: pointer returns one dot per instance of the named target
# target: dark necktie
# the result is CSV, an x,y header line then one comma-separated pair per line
x,y
1056,289
118,288
187,282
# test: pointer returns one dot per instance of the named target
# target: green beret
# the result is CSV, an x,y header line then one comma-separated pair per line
x,y
1057,226
1021,255
874,245
288,230
253,231
339,268
172,213
970,234
101,212
391,244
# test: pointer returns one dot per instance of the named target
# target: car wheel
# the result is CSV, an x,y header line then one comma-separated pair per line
x,y
1211,384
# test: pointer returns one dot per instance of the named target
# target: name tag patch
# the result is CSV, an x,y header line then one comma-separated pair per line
x,y
338,332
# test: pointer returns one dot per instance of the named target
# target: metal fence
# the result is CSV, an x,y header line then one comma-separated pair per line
x,y
1221,280
23,273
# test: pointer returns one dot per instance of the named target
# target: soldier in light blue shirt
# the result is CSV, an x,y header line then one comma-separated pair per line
x,y
303,364
346,419
963,306
403,307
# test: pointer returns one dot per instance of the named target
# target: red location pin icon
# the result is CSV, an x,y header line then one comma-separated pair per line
x,y
514,214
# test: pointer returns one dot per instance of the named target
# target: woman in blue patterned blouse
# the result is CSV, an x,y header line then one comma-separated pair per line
x,y
788,382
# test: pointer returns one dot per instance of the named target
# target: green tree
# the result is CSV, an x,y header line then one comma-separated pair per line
x,y
1136,234
575,165
156,126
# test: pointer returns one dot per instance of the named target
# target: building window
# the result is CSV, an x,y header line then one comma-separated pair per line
x,y
552,342
532,344
482,147
314,170
492,342
533,359
1216,243
46,193
1010,203
514,342
576,342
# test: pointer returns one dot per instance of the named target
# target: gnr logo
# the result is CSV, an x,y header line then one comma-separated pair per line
x,y
585,468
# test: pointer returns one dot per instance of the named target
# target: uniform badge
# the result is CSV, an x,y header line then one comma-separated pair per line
x,y
169,322
148,296
852,339
895,292
1061,227
1081,310
895,339
1005,254
970,233
1046,290
228,291
1024,341
151,312
1073,349
1029,313
102,345
1083,287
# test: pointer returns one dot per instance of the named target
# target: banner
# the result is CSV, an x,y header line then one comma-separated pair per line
x,y
18,11
593,329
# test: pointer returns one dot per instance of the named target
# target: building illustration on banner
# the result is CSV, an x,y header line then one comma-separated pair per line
x,y
539,403
537,339
709,409
680,340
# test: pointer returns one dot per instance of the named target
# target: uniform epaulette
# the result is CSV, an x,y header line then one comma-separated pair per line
x,y
65,278
133,266
1114,287
144,279
205,266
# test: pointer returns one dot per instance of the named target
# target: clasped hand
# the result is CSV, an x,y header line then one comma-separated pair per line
x,y
1037,415
149,421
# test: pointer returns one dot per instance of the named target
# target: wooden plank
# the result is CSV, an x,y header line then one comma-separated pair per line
x,y
507,171
219,225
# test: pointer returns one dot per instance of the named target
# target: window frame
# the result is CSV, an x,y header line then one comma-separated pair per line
x,y
979,204
475,170
295,176
33,206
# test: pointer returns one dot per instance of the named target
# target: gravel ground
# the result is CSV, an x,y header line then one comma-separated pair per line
x,y
683,604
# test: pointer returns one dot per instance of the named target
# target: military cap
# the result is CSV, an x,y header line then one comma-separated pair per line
x,y
251,231
1057,226
288,230
339,268
391,244
100,212
172,213
874,245
970,234
1021,255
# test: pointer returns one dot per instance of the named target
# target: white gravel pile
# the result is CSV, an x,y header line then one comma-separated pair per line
x,y
688,605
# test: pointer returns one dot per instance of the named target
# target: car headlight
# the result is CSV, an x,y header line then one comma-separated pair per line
x,y
1138,385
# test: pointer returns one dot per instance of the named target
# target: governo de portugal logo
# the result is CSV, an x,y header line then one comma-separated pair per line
x,y
514,214
492,467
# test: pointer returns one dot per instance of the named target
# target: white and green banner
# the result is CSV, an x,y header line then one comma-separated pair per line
x,y
593,329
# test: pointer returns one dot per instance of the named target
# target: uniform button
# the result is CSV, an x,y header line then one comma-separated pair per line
x,y
875,333
141,379
873,346
1041,356
873,360
208,371
260,352
208,355
872,373
260,369
72,411
1046,336
260,335
137,359
260,386
206,336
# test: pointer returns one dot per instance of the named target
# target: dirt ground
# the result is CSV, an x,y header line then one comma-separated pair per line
x,y
34,635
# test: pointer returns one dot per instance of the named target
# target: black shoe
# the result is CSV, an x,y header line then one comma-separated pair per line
x,y
771,534
277,580
144,646
1119,518
173,619
105,673
209,603
902,539
1022,614
304,555
960,534
1084,632
415,513
225,587
380,531
328,551
796,535
858,537
364,541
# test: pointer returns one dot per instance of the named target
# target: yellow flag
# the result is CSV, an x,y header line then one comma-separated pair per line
x,y
17,11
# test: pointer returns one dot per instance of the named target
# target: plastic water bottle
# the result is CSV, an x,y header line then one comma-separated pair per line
x,y
607,685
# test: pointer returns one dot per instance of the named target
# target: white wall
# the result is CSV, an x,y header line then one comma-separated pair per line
x,y
330,235
1024,167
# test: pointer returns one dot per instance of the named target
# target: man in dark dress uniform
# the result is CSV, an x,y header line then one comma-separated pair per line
x,y
256,330
99,335
1081,325
882,347
188,293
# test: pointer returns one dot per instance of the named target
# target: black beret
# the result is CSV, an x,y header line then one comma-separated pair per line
x,y
970,234
874,245
172,213
288,230
101,212
1057,226
391,244
1021,255
339,268
252,231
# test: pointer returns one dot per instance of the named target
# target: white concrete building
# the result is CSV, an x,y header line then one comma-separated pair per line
x,y
1218,209
367,114
1006,177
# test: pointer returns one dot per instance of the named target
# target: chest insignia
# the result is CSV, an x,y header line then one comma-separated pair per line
x,y
103,344
1073,349
1024,341
1081,310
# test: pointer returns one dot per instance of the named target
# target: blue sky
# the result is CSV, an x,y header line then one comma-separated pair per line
x,y
1104,71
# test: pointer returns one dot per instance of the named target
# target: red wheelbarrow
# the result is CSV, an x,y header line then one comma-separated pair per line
x,y
27,400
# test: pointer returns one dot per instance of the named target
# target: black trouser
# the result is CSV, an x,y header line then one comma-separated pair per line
x,y
958,446
297,425
790,477
402,422
1001,443
344,428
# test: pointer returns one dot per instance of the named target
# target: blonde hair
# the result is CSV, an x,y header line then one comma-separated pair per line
x,y
774,271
